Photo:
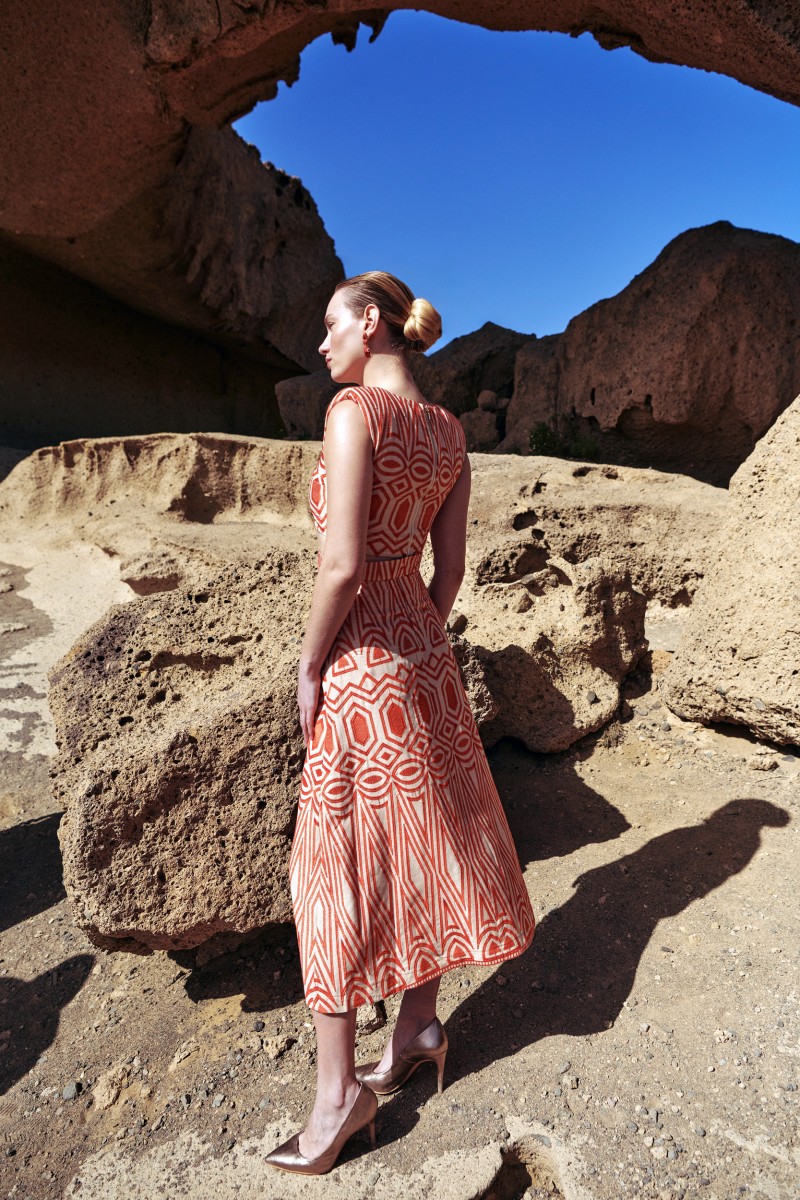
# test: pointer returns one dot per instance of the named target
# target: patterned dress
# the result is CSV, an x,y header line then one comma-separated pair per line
x,y
402,864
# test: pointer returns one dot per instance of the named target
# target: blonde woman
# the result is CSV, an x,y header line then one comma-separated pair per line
x,y
402,864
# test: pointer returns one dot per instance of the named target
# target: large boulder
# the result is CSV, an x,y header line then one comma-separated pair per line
x,y
179,748
555,646
179,753
738,659
684,370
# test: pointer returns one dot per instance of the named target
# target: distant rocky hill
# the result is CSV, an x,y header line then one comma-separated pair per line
x,y
683,370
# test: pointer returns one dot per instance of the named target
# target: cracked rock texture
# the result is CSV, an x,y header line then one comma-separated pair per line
x,y
738,658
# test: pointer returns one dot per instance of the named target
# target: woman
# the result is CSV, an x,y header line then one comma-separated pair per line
x,y
402,863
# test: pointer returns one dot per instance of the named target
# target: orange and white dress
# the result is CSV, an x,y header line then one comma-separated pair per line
x,y
402,863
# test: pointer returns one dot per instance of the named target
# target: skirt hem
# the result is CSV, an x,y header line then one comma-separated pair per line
x,y
461,962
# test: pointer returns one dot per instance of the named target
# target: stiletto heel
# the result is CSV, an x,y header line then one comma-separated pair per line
x,y
287,1156
428,1046
440,1071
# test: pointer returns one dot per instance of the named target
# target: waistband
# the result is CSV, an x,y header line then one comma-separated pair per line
x,y
390,568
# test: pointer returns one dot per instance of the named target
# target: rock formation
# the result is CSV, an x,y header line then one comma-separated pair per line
x,y
683,370
477,364
556,645
661,529
149,501
138,186
179,752
738,661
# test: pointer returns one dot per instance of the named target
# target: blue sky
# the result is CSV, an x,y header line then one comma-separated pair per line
x,y
520,177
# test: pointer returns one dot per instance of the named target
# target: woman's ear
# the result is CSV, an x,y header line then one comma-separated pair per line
x,y
372,315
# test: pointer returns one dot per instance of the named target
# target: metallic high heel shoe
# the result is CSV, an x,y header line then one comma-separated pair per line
x,y
428,1046
287,1156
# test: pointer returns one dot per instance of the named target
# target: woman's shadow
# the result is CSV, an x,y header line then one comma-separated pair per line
x,y
581,965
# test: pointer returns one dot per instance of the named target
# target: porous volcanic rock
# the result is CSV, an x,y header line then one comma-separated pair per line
x,y
683,370
660,528
179,753
158,501
554,660
738,660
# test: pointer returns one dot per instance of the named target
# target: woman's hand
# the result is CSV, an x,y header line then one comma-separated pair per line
x,y
308,698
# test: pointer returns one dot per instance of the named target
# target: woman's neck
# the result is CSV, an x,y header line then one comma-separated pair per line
x,y
392,373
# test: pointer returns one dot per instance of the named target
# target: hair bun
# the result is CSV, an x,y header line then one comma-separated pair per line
x,y
423,325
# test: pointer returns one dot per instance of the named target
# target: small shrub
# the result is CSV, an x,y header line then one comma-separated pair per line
x,y
544,440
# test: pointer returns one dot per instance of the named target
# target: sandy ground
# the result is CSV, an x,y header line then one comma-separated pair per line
x,y
646,1044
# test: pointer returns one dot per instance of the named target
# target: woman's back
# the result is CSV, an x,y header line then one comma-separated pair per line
x,y
418,456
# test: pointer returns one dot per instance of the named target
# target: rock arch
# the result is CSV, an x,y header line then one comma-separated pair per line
x,y
120,167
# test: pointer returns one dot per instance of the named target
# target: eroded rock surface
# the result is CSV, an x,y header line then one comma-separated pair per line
x,y
660,528
179,752
555,648
738,659
164,501
683,370
138,186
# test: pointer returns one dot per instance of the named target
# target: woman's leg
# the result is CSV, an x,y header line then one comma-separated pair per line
x,y
337,1086
417,1009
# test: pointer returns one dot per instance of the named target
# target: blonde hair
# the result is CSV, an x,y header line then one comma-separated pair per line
x,y
414,322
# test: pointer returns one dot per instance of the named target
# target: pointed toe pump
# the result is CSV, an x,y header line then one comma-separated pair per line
x,y
428,1046
287,1156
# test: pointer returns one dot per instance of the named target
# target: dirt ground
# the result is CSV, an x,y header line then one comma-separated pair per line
x,y
646,1044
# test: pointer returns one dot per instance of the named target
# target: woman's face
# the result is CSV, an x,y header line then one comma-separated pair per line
x,y
343,348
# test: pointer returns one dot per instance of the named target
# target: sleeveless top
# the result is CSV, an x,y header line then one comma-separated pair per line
x,y
417,458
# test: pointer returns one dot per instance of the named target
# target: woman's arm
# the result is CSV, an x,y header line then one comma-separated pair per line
x,y
449,542
348,468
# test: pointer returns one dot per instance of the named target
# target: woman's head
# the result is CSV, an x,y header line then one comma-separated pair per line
x,y
375,311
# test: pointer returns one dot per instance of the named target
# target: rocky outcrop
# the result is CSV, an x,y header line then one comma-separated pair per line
x,y
146,499
303,401
661,529
479,362
191,478
738,659
684,370
137,185
555,646
179,752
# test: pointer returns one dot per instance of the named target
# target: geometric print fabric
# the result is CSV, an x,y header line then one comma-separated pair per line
x,y
402,863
